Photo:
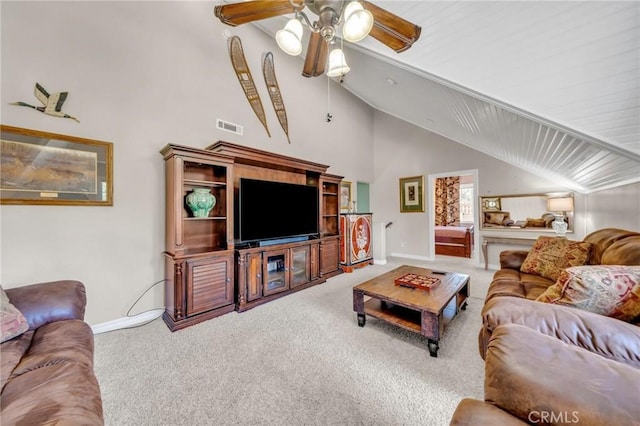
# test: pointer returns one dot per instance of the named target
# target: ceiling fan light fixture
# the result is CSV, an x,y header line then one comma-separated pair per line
x,y
357,22
289,38
337,64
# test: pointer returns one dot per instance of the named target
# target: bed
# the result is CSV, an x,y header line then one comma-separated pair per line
x,y
454,240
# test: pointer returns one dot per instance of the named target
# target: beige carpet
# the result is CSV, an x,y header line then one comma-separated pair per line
x,y
300,360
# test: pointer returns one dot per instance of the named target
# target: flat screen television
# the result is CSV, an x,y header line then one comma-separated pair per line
x,y
272,210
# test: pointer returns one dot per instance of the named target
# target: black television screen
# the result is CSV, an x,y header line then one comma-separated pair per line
x,y
269,210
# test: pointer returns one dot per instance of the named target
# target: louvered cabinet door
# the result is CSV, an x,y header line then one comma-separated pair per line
x,y
209,283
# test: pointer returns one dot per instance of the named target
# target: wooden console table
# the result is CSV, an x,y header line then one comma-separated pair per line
x,y
501,240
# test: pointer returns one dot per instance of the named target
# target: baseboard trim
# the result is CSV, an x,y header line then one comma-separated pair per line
x,y
412,256
379,261
126,322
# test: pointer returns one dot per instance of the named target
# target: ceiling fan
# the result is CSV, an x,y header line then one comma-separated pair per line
x,y
358,18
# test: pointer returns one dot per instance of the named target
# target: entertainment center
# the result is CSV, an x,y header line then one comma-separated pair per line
x,y
273,229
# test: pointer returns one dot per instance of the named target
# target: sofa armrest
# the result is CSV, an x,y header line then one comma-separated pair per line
x,y
48,302
542,380
512,259
471,412
608,337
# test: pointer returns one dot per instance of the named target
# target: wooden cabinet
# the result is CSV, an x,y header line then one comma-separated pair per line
x,y
266,273
198,250
197,288
357,246
330,256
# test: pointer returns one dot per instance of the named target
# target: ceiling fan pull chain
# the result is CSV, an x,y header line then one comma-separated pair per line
x,y
329,115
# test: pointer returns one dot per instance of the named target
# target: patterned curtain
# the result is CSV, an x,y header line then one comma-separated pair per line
x,y
447,200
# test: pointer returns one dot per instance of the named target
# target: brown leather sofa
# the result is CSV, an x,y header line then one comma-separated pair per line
x,y
552,364
47,372
610,246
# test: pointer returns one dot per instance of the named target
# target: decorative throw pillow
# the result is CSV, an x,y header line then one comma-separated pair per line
x,y
549,256
12,322
535,223
608,290
495,218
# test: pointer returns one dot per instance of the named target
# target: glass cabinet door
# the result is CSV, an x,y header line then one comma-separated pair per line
x,y
276,272
300,266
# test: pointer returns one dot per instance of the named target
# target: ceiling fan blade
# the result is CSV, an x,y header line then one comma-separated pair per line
x,y
240,13
316,58
392,30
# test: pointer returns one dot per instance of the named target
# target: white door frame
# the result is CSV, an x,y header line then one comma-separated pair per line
x,y
432,206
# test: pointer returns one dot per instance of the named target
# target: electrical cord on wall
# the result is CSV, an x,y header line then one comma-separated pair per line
x,y
128,314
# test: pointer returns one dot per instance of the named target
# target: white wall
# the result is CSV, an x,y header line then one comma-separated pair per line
x,y
402,149
615,208
141,75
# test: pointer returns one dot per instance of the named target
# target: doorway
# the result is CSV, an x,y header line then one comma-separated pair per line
x,y
362,191
463,202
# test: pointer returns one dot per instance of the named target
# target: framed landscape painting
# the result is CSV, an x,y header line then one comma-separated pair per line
x,y
47,168
412,194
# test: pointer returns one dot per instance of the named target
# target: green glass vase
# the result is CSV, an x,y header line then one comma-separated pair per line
x,y
201,201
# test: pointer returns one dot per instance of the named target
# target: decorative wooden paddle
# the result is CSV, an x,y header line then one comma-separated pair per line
x,y
246,80
268,70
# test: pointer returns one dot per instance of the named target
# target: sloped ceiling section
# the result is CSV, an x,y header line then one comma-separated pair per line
x,y
494,128
551,87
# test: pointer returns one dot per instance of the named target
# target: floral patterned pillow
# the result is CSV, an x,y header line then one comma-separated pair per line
x,y
608,290
12,322
549,256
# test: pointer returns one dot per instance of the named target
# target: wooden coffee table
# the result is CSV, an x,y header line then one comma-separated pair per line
x,y
421,311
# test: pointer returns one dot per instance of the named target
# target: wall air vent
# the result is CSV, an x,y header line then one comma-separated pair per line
x,y
229,127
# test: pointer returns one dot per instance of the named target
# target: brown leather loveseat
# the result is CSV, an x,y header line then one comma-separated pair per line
x,y
47,371
551,364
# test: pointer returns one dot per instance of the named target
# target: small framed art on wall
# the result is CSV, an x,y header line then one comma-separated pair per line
x,y
412,194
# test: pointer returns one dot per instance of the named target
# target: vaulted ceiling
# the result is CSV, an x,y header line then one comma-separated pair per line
x,y
550,87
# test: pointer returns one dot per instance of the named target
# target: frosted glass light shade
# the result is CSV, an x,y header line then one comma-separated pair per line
x,y
357,22
560,204
337,64
289,38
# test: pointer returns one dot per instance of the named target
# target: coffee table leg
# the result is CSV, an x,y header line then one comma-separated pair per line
x,y
361,320
433,348
358,306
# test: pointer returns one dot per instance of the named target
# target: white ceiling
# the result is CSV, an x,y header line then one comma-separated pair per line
x,y
551,87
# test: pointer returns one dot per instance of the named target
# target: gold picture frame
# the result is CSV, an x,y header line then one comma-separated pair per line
x,y
412,194
51,169
490,204
345,195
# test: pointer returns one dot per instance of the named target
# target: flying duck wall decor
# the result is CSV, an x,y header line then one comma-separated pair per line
x,y
52,103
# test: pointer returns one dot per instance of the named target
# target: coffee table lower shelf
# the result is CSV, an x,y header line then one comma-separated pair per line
x,y
409,319
406,318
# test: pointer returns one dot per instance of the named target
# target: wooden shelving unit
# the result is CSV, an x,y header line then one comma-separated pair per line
x,y
198,251
206,274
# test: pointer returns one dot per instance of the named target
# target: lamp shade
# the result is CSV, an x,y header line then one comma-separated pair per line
x,y
357,22
289,38
560,204
337,64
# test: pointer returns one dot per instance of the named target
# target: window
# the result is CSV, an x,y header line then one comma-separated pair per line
x,y
466,202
